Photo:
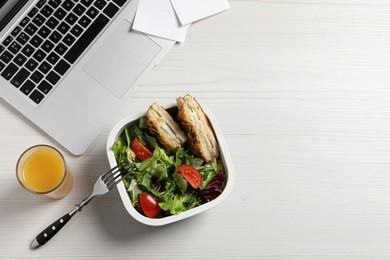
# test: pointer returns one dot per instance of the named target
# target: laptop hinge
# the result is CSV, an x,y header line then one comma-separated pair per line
x,y
15,9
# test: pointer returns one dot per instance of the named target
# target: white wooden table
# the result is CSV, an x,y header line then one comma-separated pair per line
x,y
302,93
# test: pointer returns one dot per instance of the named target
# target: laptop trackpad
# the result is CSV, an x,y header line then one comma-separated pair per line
x,y
121,59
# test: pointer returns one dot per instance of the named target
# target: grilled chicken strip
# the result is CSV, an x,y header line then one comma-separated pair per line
x,y
161,124
199,131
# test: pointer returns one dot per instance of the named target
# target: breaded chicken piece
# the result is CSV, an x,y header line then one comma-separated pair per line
x,y
199,131
161,124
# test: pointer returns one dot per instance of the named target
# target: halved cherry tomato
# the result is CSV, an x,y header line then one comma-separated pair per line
x,y
190,174
149,205
140,150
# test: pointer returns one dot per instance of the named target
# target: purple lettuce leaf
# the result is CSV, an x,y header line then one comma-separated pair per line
x,y
214,188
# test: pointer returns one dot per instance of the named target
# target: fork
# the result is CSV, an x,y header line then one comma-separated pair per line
x,y
106,182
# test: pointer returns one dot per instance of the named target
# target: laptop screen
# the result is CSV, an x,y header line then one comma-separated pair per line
x,y
8,8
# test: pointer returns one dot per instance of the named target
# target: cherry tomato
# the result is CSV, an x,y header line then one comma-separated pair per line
x,y
140,150
149,205
190,174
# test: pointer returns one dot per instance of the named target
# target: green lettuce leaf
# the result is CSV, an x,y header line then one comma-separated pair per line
x,y
208,171
181,183
119,150
173,204
133,191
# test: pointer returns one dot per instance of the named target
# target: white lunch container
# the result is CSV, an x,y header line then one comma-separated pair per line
x,y
224,155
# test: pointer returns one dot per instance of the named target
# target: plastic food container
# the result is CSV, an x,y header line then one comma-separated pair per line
x,y
224,155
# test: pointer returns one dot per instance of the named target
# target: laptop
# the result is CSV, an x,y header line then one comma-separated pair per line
x,y
66,65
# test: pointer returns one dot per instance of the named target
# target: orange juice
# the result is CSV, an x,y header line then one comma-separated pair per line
x,y
42,169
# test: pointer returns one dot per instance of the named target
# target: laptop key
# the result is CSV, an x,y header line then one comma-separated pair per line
x,y
55,37
61,48
23,38
36,41
7,40
32,12
16,31
120,2
31,64
52,58
14,47
47,46
67,5
87,3
53,77
71,18
9,71
20,77
28,50
52,23
63,28
41,3
39,55
36,77
44,32
39,20
30,29
89,35
44,67
27,87
20,59
45,87
54,3
6,56
24,22
79,9
100,4
77,30
2,66
60,13
36,96
69,39
111,10
92,12
62,67
84,21
47,11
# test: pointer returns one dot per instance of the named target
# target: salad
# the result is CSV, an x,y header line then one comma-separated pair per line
x,y
165,181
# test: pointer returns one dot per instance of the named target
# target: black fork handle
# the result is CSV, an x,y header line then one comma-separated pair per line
x,y
56,226
50,231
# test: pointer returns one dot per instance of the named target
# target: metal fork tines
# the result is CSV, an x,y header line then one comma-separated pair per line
x,y
106,182
113,176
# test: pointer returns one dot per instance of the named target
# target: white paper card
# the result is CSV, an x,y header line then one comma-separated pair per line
x,y
190,11
159,19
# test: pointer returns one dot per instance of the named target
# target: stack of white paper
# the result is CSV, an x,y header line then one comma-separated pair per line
x,y
170,19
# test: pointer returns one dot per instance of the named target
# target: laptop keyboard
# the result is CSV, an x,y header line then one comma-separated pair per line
x,y
49,39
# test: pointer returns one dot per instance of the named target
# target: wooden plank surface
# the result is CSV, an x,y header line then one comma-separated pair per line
x,y
301,90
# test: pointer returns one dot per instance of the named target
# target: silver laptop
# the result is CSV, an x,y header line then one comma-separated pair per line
x,y
66,65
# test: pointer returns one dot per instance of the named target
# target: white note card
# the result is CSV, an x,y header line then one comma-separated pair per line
x,y
189,11
158,18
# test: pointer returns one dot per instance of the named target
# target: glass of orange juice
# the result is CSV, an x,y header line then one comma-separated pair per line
x,y
41,169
